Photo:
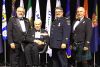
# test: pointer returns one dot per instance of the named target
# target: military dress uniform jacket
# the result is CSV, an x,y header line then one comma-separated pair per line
x,y
60,32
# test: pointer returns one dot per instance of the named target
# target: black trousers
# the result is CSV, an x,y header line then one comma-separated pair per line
x,y
17,57
31,54
59,58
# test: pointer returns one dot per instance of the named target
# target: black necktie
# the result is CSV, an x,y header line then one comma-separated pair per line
x,y
37,30
77,19
21,18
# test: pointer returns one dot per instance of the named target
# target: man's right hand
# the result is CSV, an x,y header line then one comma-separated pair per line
x,y
12,45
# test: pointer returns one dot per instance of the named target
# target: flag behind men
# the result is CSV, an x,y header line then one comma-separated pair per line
x,y
21,3
95,35
68,8
37,10
4,28
86,7
48,17
78,3
13,8
4,22
29,11
58,3
48,23
68,51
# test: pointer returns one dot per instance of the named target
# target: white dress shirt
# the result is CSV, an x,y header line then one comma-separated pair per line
x,y
22,25
75,25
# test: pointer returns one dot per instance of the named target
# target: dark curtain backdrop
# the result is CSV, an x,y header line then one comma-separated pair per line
x,y
43,15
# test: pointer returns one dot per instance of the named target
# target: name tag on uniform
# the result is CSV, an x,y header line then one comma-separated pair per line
x,y
37,34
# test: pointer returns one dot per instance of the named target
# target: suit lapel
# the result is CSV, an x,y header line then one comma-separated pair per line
x,y
18,24
26,25
81,21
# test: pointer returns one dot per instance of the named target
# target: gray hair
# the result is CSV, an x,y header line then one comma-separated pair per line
x,y
21,8
37,20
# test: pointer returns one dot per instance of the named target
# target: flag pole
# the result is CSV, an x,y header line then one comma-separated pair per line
x,y
1,48
4,53
94,60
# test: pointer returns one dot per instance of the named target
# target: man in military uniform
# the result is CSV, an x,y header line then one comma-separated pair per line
x,y
59,36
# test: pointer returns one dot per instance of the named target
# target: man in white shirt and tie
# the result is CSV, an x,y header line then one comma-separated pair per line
x,y
17,31
82,30
38,41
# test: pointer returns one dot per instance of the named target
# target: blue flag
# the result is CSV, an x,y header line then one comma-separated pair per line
x,y
68,50
13,8
77,4
95,35
4,22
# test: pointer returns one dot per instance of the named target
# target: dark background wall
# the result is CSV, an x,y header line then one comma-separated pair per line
x,y
43,15
53,4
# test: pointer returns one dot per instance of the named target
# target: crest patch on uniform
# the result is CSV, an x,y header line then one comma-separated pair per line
x,y
66,38
59,24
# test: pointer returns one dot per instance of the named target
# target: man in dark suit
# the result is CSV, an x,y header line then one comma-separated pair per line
x,y
17,30
82,30
59,36
38,40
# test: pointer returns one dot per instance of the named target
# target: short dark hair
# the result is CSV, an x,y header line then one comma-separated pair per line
x,y
60,8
